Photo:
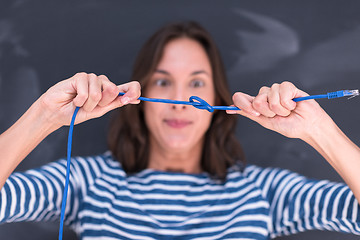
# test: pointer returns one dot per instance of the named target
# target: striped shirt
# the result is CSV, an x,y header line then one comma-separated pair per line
x,y
106,203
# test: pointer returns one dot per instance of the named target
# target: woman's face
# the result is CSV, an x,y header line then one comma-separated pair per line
x,y
183,71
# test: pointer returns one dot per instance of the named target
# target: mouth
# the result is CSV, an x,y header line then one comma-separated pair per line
x,y
177,123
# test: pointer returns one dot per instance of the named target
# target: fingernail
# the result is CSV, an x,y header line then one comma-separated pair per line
x,y
125,100
231,112
256,114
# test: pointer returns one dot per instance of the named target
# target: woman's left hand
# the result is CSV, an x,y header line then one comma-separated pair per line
x,y
274,109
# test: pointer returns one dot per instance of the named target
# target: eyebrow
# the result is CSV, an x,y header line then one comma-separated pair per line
x,y
192,74
199,72
162,71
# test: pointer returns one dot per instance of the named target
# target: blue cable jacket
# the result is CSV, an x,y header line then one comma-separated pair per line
x,y
194,101
310,97
63,205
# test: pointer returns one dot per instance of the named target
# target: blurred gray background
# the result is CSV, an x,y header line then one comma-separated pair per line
x,y
314,44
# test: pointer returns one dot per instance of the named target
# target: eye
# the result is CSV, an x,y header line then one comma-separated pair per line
x,y
196,83
162,82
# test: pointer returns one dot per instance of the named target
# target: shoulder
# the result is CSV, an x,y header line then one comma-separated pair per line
x,y
93,166
252,171
103,163
256,172
264,177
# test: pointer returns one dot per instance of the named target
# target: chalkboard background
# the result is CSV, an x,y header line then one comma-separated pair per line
x,y
315,44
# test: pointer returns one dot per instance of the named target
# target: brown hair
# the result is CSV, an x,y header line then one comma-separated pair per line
x,y
129,136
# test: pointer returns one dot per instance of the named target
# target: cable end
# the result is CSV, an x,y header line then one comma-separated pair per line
x,y
351,93
343,93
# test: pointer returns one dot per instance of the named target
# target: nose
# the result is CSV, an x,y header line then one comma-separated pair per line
x,y
179,94
178,107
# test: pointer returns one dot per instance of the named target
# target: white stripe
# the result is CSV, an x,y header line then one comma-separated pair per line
x,y
169,178
31,202
272,180
279,197
183,197
255,177
307,203
237,207
174,188
223,218
75,210
319,194
54,180
233,176
86,168
281,191
245,229
22,194
189,209
326,205
101,227
161,186
13,200
40,200
172,232
56,177
3,201
278,179
286,215
355,214
261,177
346,207
121,214
110,167
298,205
335,207
99,238
250,169
268,182
95,165
78,183
49,197
154,218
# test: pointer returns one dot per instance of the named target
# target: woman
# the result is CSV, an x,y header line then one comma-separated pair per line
x,y
175,171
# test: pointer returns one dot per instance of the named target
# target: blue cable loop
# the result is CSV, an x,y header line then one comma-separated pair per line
x,y
194,101
200,103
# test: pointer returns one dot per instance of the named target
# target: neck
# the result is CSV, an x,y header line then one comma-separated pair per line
x,y
187,161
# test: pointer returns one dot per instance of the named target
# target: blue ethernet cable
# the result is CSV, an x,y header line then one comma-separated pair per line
x,y
201,104
331,95
197,103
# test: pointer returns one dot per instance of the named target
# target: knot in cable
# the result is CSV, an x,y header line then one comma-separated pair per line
x,y
200,103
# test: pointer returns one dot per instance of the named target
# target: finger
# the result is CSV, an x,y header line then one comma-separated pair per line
x,y
260,103
80,85
132,92
95,94
264,90
100,111
274,102
244,102
109,91
288,92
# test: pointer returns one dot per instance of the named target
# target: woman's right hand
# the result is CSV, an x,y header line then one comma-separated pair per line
x,y
95,95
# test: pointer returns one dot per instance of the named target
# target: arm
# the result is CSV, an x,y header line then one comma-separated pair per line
x,y
96,95
36,195
298,204
274,109
340,152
